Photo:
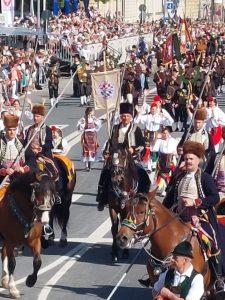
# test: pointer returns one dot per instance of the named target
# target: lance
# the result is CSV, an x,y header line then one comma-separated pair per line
x,y
22,152
199,99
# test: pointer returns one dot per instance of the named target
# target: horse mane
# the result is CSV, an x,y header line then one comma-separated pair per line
x,y
22,182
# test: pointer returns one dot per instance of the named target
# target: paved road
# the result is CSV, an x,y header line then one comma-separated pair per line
x,y
82,270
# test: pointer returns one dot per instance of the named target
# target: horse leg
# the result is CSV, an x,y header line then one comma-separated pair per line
x,y
114,230
36,247
13,291
125,253
63,238
5,271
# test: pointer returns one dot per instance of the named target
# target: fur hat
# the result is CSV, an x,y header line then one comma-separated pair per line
x,y
38,109
11,121
201,114
191,147
183,249
126,108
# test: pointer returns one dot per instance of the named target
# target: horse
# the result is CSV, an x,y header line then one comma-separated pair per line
x,y
63,167
147,217
123,181
24,209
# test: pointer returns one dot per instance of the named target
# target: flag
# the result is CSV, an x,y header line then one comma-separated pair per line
x,y
183,40
8,9
67,7
168,50
176,46
55,8
75,5
105,87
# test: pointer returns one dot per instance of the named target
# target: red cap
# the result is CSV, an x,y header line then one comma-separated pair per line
x,y
53,128
210,99
157,98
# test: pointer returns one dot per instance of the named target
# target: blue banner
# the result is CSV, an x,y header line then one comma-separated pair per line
x,y
86,4
67,7
75,5
55,7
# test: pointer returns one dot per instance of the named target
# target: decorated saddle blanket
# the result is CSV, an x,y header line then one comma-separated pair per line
x,y
69,165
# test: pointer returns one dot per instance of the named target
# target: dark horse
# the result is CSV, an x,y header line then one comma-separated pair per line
x,y
146,216
61,211
23,211
124,178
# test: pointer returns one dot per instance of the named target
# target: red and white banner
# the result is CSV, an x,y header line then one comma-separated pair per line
x,y
105,87
168,50
8,9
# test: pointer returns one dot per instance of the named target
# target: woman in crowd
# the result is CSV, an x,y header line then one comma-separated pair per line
x,y
89,125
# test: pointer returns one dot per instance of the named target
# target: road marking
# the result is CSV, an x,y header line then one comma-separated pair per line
x,y
85,240
94,238
76,197
60,126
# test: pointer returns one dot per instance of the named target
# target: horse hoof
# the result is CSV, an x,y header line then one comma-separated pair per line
x,y
63,243
14,294
31,280
5,282
125,254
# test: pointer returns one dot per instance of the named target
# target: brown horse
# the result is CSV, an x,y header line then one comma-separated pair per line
x,y
146,216
23,210
61,167
122,179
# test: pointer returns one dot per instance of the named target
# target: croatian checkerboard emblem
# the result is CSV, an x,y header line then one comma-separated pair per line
x,y
106,89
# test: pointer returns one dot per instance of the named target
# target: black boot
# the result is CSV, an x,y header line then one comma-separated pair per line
x,y
145,282
217,269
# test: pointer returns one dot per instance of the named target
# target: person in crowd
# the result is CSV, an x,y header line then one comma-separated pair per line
x,y
60,145
89,125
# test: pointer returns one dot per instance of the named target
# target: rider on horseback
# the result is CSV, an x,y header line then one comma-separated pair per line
x,y
10,148
129,135
40,149
195,194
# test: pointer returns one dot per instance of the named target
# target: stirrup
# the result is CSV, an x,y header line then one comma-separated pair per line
x,y
57,199
47,231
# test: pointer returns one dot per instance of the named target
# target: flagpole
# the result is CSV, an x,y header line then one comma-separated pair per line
x,y
106,101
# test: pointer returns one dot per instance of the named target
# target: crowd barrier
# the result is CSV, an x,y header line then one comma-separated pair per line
x,y
65,51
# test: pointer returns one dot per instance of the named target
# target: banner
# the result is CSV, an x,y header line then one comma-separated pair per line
x,y
168,50
55,8
176,47
75,5
67,7
183,40
105,87
8,8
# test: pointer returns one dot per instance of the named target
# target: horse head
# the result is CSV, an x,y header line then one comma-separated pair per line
x,y
123,173
42,196
139,220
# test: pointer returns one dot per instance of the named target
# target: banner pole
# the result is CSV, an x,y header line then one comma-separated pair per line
x,y
106,103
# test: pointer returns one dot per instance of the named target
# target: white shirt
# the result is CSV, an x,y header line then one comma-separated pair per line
x,y
215,118
197,286
151,122
168,146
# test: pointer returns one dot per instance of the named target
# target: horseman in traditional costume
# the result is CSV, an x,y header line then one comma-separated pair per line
x,y
199,134
194,194
129,135
10,149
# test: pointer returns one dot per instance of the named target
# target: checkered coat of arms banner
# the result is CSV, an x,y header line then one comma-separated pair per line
x,y
105,88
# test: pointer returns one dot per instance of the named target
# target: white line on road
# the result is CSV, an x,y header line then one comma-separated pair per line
x,y
94,238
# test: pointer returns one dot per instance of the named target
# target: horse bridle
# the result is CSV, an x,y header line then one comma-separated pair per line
x,y
49,200
119,171
131,222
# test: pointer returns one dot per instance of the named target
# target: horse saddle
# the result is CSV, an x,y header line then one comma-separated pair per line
x,y
67,163
47,165
3,191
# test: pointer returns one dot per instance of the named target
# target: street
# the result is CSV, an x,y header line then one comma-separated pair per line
x,y
82,270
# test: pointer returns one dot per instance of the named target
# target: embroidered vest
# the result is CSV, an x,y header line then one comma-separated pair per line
x,y
3,148
182,289
41,134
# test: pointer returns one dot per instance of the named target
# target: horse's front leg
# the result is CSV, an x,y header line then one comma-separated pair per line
x,y
9,255
66,215
114,230
5,270
36,248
